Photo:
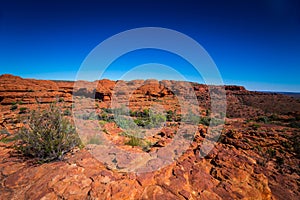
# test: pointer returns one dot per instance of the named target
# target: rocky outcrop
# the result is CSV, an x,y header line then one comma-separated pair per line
x,y
253,159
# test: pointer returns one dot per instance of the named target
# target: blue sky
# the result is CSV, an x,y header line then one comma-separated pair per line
x,y
253,43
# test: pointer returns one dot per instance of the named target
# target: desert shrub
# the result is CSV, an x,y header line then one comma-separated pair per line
x,y
67,112
141,122
204,120
8,139
170,115
134,141
125,123
157,119
22,110
146,112
255,126
108,110
191,118
48,135
132,113
106,117
102,122
263,119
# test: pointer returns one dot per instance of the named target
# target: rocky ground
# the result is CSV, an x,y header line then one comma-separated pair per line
x,y
256,157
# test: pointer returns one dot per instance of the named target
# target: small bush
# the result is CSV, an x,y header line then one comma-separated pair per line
x,y
67,112
134,141
48,136
141,122
102,122
255,126
204,120
263,119
22,110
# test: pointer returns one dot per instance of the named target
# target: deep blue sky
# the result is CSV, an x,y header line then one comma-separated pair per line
x,y
254,43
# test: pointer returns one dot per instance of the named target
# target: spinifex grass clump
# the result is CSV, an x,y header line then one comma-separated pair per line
x,y
48,135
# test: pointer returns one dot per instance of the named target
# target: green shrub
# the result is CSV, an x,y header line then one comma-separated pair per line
x,y
157,119
102,122
170,115
22,110
263,119
204,120
48,136
141,122
255,126
134,141
191,118
125,123
67,112
8,139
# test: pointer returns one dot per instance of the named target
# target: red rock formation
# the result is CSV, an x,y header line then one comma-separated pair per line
x,y
252,160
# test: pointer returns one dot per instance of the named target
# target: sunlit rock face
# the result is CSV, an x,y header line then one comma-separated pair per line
x,y
256,156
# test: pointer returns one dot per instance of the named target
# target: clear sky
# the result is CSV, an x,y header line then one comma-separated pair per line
x,y
255,43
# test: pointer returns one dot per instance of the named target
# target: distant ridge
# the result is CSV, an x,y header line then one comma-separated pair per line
x,y
290,94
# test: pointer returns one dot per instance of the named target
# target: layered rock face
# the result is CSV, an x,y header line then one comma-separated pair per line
x,y
256,156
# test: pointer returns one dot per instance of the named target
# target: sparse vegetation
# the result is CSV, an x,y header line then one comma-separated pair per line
x,y
204,120
67,112
23,110
8,139
48,136
255,126
263,119
134,141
